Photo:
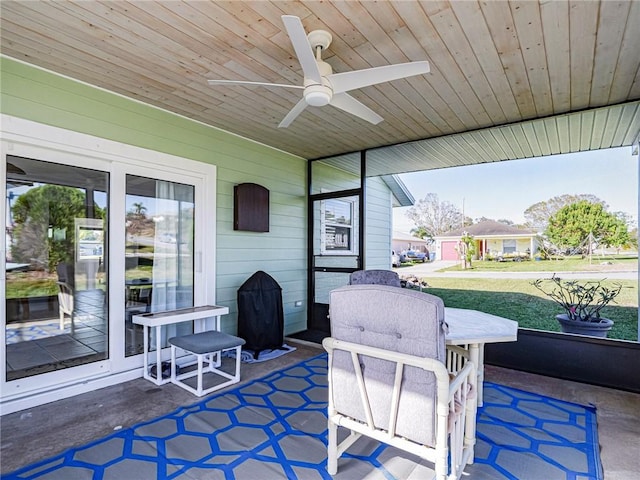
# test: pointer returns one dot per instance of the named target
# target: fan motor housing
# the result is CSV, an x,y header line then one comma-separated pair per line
x,y
319,95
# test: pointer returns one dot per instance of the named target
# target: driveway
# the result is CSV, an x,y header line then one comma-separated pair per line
x,y
430,270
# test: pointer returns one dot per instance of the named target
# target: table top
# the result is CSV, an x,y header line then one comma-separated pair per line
x,y
179,315
472,326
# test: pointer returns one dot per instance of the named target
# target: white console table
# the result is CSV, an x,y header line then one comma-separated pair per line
x,y
158,319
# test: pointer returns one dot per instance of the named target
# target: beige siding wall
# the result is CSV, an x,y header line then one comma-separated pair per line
x,y
495,246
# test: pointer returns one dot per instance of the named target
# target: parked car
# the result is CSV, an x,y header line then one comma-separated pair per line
x,y
397,259
417,256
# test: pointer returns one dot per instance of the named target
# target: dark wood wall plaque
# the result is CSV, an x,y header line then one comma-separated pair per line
x,y
250,207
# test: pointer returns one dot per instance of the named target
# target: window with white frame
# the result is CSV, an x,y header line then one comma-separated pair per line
x,y
339,219
509,246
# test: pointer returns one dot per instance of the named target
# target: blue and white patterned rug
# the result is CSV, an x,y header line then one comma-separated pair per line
x,y
276,428
248,356
29,331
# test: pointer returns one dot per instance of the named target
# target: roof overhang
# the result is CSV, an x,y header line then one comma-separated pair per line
x,y
606,127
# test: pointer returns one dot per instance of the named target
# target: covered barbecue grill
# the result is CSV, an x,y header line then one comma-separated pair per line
x,y
260,313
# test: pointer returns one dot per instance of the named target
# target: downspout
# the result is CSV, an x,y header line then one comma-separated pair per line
x,y
634,151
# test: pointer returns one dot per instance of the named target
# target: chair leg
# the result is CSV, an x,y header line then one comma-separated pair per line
x,y
173,364
238,361
200,388
332,449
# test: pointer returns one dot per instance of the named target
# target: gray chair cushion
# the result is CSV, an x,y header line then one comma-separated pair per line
x,y
206,342
395,319
374,277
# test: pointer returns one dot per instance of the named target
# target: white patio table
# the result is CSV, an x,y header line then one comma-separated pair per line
x,y
473,329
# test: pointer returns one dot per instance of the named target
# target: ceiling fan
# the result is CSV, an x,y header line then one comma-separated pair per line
x,y
323,87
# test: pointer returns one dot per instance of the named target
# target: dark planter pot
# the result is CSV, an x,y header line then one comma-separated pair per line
x,y
593,329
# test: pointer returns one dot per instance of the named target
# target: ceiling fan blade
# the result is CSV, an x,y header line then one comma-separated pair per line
x,y
344,82
302,47
293,113
252,84
346,102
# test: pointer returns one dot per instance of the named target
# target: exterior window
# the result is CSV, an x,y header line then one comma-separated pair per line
x,y
339,227
56,257
508,246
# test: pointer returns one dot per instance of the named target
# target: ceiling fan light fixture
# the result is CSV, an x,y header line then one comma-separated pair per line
x,y
317,95
318,99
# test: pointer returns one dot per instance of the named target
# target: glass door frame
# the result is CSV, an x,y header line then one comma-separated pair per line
x,y
119,359
29,139
318,309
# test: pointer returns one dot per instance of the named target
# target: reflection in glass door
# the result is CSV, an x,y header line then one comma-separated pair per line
x,y
159,268
56,257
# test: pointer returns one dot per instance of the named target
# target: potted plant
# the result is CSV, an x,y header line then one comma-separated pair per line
x,y
582,303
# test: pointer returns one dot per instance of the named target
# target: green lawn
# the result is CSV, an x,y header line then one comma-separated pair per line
x,y
24,285
566,264
518,300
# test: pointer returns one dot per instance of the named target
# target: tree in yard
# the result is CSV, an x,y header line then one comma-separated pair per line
x,y
139,209
572,224
137,221
504,221
538,214
467,247
632,228
633,239
433,217
419,232
42,208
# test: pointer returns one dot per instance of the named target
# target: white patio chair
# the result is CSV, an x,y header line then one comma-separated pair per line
x,y
65,303
388,379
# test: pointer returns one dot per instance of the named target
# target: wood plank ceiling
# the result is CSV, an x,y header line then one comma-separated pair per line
x,y
493,63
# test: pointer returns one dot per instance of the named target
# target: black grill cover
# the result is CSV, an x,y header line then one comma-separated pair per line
x,y
260,313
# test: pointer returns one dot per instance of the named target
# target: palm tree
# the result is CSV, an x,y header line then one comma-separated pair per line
x,y
139,208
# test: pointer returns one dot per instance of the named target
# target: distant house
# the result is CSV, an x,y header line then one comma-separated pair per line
x,y
401,242
492,238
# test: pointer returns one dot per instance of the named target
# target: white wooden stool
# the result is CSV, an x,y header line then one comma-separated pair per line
x,y
204,346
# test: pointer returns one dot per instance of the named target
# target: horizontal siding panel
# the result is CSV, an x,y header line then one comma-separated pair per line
x,y
43,97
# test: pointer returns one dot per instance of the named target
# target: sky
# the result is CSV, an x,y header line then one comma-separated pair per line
x,y
504,190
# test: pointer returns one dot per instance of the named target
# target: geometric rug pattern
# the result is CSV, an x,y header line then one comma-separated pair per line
x,y
37,330
520,432
276,428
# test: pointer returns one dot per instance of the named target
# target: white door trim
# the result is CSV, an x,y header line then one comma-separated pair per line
x,y
29,139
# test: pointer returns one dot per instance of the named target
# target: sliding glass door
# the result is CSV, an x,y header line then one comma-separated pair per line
x,y
159,252
57,279
86,250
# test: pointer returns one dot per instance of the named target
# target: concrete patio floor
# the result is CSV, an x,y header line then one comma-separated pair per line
x,y
41,432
